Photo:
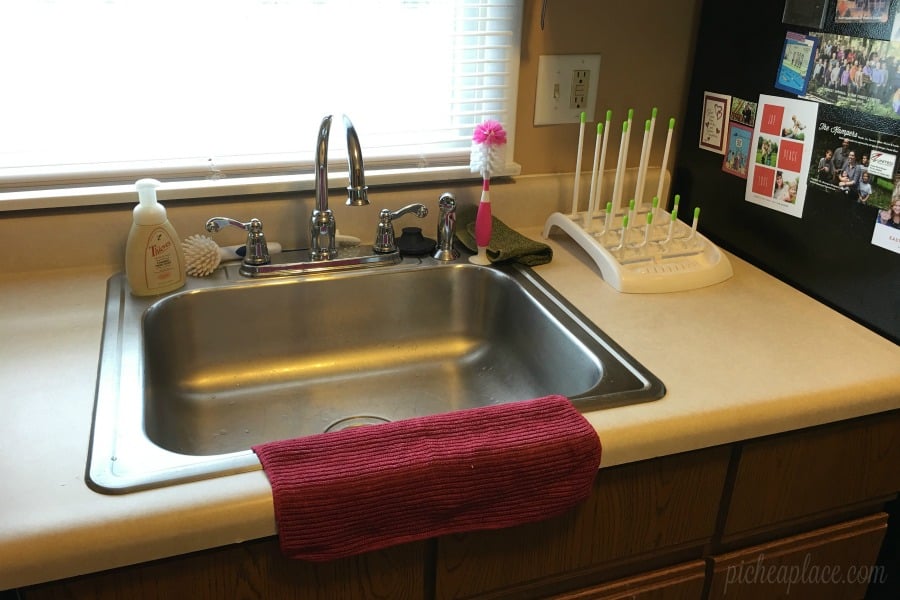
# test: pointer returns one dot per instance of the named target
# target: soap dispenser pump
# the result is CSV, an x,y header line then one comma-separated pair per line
x,y
154,259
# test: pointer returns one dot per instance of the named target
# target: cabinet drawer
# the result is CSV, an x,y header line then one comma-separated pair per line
x,y
836,562
682,582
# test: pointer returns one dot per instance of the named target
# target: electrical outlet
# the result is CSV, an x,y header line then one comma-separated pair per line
x,y
567,85
580,81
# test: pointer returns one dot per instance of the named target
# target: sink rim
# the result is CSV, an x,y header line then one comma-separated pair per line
x,y
117,420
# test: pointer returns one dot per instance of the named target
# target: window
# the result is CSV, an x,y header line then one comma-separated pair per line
x,y
222,97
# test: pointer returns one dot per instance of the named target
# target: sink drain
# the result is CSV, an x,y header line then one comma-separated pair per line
x,y
358,421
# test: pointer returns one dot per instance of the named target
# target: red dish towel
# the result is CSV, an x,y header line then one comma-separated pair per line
x,y
342,493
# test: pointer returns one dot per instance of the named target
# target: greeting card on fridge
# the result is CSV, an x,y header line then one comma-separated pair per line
x,y
781,152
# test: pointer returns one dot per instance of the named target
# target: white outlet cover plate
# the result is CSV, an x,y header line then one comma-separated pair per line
x,y
554,88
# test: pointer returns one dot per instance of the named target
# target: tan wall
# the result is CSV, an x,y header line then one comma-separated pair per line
x,y
645,62
646,49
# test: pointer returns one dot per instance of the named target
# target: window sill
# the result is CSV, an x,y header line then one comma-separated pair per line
x,y
236,186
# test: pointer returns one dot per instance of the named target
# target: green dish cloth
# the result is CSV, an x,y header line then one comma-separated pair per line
x,y
506,244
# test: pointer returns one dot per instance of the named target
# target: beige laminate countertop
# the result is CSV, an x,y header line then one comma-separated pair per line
x,y
741,359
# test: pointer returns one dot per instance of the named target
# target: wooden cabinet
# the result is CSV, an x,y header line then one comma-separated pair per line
x,y
682,582
640,515
253,570
807,503
832,563
670,528
789,482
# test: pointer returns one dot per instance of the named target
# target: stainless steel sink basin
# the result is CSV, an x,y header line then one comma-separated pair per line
x,y
189,381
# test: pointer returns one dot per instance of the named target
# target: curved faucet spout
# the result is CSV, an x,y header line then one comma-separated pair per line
x,y
357,190
322,227
322,164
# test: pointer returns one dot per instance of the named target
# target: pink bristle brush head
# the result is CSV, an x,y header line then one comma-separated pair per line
x,y
488,143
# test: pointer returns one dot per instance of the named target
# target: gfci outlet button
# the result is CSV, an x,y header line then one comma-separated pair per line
x,y
567,84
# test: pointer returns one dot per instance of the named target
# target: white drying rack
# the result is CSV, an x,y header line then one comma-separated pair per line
x,y
687,261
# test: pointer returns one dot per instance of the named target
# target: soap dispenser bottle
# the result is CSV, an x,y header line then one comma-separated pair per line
x,y
154,259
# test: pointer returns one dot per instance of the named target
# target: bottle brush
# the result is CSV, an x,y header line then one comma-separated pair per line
x,y
487,156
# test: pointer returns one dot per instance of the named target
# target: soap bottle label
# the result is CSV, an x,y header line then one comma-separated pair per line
x,y
162,265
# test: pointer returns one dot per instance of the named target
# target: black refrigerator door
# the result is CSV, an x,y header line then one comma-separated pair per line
x,y
828,253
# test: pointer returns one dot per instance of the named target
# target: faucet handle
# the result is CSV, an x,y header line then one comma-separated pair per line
x,y
384,234
257,249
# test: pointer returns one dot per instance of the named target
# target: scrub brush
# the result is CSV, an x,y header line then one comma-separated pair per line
x,y
487,156
202,254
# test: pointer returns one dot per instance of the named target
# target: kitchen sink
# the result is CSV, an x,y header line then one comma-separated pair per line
x,y
189,381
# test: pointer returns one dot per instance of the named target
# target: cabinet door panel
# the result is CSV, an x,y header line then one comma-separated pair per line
x,y
637,511
253,570
802,474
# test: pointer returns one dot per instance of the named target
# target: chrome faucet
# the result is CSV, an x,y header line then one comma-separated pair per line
x,y
322,226
257,248
323,254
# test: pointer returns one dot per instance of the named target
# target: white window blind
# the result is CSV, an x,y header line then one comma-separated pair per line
x,y
226,96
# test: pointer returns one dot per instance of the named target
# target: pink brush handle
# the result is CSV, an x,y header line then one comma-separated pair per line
x,y
483,218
